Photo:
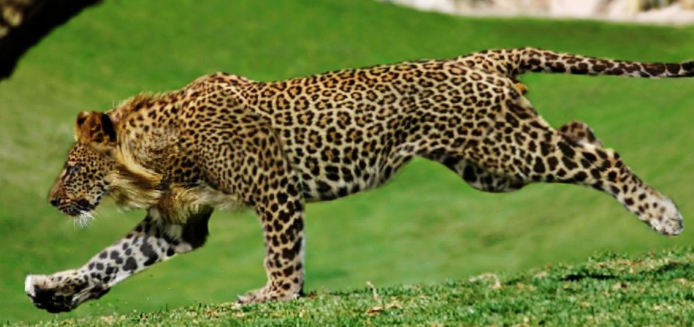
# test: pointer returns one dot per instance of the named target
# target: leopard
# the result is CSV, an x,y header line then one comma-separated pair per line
x,y
225,141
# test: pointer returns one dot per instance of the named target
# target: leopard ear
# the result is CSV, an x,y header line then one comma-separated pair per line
x,y
94,127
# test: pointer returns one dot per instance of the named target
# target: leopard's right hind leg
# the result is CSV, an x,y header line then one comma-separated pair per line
x,y
522,146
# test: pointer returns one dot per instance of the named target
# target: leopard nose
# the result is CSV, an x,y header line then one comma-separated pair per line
x,y
54,201
56,195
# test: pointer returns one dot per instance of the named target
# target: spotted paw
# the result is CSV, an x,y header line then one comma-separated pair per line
x,y
666,218
267,293
61,292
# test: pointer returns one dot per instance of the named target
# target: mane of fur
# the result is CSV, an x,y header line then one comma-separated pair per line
x,y
136,184
132,185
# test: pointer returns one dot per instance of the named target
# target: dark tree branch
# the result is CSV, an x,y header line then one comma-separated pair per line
x,y
24,22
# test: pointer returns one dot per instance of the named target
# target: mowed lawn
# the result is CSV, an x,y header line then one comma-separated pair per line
x,y
425,226
652,289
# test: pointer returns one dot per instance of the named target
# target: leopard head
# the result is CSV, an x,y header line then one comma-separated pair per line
x,y
83,182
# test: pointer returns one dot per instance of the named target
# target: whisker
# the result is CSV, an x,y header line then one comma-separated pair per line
x,y
84,218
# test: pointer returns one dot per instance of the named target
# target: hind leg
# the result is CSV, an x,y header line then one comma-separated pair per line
x,y
525,148
481,179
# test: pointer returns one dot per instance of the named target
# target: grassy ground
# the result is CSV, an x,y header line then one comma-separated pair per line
x,y
426,226
655,289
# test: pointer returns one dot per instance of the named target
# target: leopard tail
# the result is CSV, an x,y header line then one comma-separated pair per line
x,y
514,62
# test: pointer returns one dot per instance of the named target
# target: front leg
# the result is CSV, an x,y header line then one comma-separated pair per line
x,y
281,214
257,171
153,240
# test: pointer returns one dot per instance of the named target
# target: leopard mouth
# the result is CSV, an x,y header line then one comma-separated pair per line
x,y
80,210
77,208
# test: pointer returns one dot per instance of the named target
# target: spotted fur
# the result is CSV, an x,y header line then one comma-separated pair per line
x,y
226,141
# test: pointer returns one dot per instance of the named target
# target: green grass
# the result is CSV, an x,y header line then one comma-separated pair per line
x,y
426,226
655,289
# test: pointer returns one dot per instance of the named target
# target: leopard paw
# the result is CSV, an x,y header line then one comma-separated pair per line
x,y
269,293
62,292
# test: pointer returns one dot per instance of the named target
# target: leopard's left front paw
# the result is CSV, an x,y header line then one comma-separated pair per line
x,y
269,293
61,292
